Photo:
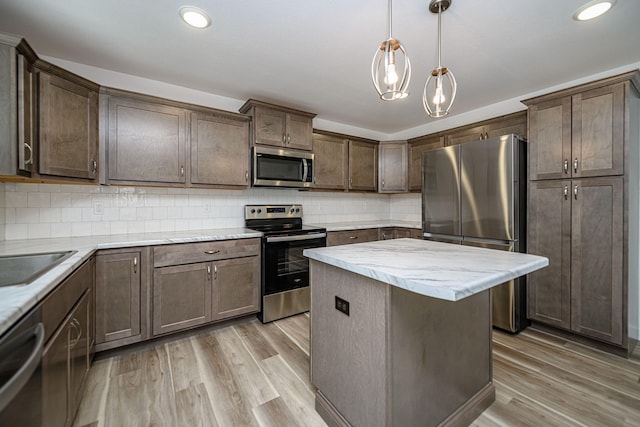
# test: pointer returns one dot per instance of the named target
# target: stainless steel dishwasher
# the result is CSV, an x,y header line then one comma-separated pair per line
x,y
20,372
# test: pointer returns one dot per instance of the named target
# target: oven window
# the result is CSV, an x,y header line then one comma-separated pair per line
x,y
279,168
285,267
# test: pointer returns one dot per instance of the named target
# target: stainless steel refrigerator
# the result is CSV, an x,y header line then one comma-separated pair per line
x,y
475,194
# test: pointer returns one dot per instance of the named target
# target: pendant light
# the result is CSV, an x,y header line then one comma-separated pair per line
x,y
391,69
440,87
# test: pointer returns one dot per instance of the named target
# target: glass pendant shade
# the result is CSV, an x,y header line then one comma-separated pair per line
x,y
439,92
440,87
391,68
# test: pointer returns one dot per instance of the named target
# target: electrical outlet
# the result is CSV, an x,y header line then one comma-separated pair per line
x,y
342,305
98,208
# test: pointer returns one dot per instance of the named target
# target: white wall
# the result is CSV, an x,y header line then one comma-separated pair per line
x,y
52,210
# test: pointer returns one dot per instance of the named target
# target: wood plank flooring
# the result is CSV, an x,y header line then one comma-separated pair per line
x,y
250,374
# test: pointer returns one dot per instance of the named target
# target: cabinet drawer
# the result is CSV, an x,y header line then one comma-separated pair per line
x,y
189,253
335,238
57,305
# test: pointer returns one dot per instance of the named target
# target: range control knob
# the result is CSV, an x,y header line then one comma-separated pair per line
x,y
259,210
292,210
297,209
253,211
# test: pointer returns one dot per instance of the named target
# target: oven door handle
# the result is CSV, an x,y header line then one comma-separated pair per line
x,y
12,387
296,238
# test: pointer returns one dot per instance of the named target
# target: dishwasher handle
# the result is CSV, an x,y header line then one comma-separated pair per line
x,y
11,388
295,238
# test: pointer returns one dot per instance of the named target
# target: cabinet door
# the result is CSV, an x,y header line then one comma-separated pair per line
x,y
549,235
363,162
118,292
393,167
236,287
299,132
416,148
219,150
270,126
466,134
597,258
514,123
68,128
598,132
55,359
181,297
550,139
147,142
78,352
330,162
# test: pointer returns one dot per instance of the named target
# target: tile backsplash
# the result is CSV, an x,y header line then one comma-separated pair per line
x,y
29,211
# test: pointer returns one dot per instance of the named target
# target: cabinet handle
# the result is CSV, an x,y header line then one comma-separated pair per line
x,y
575,165
486,135
217,251
350,181
181,170
575,192
209,272
566,166
30,159
284,138
566,192
135,264
94,167
383,183
215,272
75,325
288,139
246,176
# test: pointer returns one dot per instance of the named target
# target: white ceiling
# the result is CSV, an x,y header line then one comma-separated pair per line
x,y
316,54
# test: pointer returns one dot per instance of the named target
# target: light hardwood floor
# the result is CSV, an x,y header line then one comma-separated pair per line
x,y
252,374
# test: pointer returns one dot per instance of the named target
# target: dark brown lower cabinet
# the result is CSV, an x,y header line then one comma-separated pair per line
x,y
121,297
225,283
65,364
579,225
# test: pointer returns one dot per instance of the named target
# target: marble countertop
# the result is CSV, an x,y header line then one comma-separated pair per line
x,y
359,225
440,270
17,300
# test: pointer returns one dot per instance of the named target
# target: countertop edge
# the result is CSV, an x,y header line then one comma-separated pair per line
x,y
16,301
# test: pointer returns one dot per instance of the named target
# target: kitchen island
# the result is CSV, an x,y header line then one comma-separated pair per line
x,y
401,330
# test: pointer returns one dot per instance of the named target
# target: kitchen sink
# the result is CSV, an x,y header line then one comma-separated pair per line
x,y
24,269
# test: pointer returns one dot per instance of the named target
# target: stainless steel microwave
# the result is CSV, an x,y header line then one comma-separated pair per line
x,y
275,167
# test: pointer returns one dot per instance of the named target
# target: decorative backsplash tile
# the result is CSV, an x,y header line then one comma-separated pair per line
x,y
30,211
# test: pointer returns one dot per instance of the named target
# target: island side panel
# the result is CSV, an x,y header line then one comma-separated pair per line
x,y
441,358
348,353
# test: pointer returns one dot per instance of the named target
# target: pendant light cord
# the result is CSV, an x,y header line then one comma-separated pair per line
x,y
439,35
390,17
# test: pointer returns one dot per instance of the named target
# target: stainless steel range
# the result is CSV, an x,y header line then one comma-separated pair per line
x,y
285,270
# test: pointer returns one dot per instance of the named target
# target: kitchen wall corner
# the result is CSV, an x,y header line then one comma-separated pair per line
x,y
406,207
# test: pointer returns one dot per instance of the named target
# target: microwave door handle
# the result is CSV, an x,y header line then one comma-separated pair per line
x,y
305,170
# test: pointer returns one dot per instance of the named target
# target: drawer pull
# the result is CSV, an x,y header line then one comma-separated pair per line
x,y
353,237
217,251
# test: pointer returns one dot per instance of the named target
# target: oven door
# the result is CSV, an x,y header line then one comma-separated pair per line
x,y
284,265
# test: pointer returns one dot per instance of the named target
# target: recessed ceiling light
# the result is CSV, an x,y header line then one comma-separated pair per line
x,y
195,17
593,9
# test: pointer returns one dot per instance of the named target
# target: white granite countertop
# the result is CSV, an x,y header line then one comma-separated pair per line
x,y
17,300
440,270
359,225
